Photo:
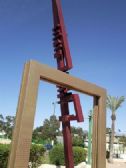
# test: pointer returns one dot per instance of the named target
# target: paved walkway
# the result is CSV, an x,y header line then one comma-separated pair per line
x,y
118,163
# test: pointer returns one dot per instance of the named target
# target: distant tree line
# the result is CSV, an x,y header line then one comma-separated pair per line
x,y
51,128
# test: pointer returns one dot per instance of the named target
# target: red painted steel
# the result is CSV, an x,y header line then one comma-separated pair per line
x,y
62,52
64,63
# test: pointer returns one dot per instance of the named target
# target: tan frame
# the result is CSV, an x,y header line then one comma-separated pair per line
x,y
22,135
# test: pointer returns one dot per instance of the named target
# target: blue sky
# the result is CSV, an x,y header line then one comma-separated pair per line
x,y
97,37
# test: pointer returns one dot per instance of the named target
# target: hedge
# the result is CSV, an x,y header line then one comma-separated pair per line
x,y
57,155
36,152
4,153
77,141
79,155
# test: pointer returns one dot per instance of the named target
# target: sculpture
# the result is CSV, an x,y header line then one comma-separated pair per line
x,y
33,73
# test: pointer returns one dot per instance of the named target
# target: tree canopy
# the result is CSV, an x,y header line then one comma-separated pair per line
x,y
113,103
49,130
50,127
7,124
1,122
79,131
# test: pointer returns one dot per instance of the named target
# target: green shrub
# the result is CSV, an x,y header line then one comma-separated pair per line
x,y
4,153
78,141
57,155
79,155
36,153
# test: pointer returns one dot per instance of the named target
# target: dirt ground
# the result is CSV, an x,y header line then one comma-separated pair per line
x,y
117,164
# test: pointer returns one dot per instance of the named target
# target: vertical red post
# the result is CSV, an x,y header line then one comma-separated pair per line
x,y
64,63
67,137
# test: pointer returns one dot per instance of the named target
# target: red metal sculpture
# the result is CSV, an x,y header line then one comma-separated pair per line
x,y
64,63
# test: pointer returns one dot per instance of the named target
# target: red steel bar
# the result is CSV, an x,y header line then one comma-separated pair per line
x,y
64,63
62,52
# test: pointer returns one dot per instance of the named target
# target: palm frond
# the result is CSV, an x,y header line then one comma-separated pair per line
x,y
119,101
113,103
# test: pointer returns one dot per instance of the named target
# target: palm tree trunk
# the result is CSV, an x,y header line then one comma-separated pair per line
x,y
113,117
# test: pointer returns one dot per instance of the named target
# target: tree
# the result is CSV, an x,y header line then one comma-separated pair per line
x,y
48,131
79,131
1,122
78,136
50,128
113,103
9,125
37,135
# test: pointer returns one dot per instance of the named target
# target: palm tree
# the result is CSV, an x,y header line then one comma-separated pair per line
x,y
113,103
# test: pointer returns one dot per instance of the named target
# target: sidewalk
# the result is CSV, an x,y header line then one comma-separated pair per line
x,y
118,163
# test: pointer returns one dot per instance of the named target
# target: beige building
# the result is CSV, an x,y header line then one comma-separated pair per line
x,y
118,146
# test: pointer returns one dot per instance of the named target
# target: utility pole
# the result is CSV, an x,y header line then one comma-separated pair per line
x,y
90,136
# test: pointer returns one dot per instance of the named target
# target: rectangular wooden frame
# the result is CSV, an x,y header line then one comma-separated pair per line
x,y
22,135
